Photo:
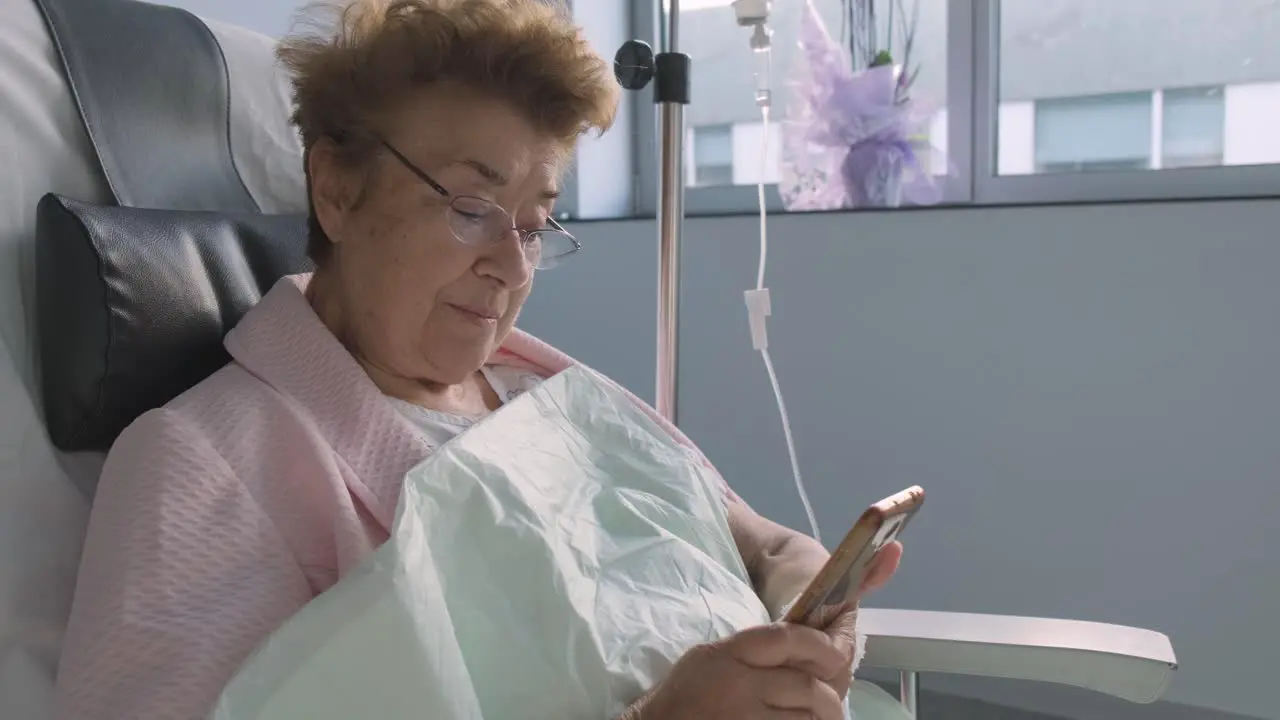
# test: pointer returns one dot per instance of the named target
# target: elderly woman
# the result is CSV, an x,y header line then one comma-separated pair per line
x,y
435,133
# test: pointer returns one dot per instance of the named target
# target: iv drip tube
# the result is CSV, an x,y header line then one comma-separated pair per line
x,y
758,308
755,14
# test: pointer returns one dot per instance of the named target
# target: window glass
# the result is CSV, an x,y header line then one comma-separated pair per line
x,y
713,155
1103,132
1193,130
1099,85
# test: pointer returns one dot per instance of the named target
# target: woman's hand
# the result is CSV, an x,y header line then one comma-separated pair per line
x,y
882,568
768,672
782,562
839,624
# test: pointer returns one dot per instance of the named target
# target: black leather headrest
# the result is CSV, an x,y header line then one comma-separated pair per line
x,y
160,129
133,305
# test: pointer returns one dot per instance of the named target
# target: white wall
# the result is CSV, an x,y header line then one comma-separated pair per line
x,y
1016,152
750,165
270,17
1253,124
940,138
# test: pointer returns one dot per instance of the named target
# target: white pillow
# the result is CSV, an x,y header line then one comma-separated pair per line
x,y
43,510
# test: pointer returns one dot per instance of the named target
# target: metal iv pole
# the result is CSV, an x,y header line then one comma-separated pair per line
x,y
635,65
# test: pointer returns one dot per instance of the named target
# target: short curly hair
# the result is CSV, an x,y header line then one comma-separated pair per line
x,y
352,60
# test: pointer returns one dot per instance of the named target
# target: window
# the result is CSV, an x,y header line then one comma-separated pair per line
x,y
1164,129
1099,133
713,155
1094,102
1192,127
1037,100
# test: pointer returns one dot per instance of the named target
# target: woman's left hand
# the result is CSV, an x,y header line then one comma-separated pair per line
x,y
840,627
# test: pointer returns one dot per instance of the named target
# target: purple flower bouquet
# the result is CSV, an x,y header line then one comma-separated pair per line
x,y
853,139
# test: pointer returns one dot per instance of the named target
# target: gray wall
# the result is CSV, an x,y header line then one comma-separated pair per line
x,y
1089,395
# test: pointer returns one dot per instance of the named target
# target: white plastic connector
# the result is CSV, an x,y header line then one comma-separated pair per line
x,y
758,310
752,12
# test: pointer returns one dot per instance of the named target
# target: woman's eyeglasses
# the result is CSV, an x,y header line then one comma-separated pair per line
x,y
476,221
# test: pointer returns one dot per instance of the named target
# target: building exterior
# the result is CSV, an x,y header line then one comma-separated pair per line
x,y
1085,85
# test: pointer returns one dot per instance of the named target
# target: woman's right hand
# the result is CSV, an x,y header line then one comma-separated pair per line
x,y
763,673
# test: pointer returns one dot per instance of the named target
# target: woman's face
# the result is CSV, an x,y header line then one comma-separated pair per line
x,y
413,302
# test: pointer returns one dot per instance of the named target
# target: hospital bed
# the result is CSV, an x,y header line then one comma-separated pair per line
x,y
152,192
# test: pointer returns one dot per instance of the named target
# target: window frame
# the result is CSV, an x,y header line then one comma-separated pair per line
x,y
1220,112
972,140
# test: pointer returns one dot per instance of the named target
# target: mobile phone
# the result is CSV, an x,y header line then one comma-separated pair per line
x,y
838,581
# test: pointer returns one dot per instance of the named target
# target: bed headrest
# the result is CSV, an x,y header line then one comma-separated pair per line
x,y
156,107
133,304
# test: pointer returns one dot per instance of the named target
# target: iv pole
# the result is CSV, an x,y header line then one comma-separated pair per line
x,y
635,65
